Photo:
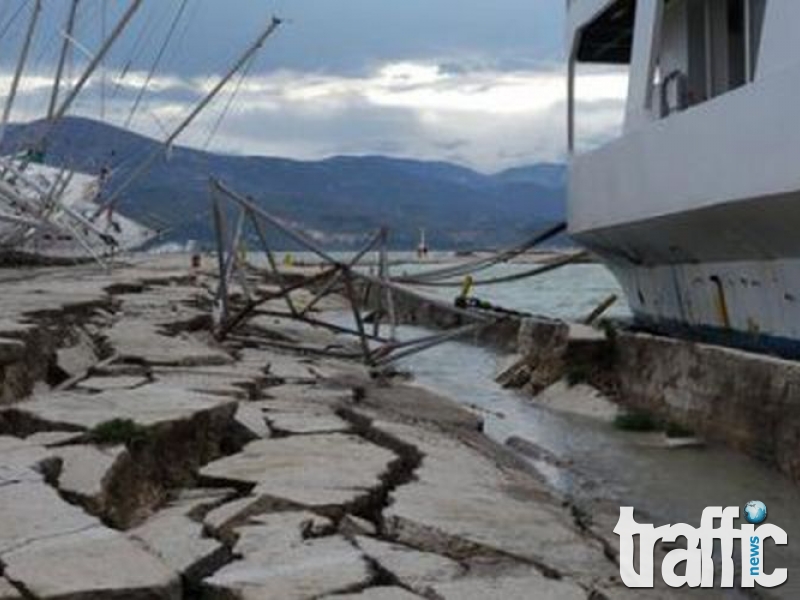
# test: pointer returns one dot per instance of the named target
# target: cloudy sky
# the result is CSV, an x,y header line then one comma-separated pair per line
x,y
477,82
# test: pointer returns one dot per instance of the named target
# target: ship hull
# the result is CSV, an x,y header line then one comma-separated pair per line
x,y
698,217
739,304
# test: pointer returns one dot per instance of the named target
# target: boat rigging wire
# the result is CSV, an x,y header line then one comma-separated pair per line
x,y
229,103
484,263
538,270
13,18
142,40
157,61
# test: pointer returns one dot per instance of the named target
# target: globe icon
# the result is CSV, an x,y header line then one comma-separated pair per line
x,y
755,512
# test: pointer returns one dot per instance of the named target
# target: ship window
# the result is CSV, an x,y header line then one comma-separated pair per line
x,y
710,46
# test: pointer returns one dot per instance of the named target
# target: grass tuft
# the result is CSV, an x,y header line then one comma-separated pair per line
x,y
676,430
636,420
119,431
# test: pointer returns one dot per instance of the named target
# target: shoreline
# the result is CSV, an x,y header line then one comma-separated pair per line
x,y
193,466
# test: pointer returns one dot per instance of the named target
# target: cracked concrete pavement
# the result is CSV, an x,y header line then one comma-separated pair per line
x,y
161,464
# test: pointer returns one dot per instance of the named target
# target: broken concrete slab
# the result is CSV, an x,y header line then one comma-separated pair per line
x,y
292,331
22,460
32,510
303,572
327,471
222,520
411,568
68,566
181,544
352,526
377,593
86,472
197,502
8,591
11,351
149,406
463,503
251,418
287,529
301,423
533,585
50,439
105,384
248,523
78,358
142,340
580,399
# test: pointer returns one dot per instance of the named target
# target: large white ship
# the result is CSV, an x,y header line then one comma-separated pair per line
x,y
696,206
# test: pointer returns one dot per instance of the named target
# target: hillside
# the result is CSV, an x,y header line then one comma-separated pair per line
x,y
340,198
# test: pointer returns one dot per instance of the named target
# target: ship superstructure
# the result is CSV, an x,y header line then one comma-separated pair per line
x,y
696,206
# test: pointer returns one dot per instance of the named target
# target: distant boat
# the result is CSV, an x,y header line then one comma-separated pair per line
x,y
51,214
422,247
696,206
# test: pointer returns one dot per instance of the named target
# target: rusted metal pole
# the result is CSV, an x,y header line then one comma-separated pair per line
x,y
421,345
600,310
271,259
221,300
351,296
234,321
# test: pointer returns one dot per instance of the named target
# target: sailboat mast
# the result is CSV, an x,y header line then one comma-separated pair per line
x,y
145,166
95,62
68,31
23,58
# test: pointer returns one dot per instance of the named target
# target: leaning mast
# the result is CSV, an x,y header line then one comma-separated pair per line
x,y
23,59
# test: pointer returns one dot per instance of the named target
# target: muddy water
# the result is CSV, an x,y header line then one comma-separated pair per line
x,y
600,464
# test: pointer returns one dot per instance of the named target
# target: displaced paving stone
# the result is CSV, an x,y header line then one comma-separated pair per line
x,y
286,423
580,399
148,406
138,339
293,331
104,384
77,359
252,419
86,471
49,439
222,520
460,498
91,564
227,522
377,593
321,471
22,460
32,510
312,394
303,572
287,529
413,569
510,588
8,591
289,369
180,543
352,526
196,502
11,350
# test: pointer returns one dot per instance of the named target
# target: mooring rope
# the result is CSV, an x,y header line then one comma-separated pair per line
x,y
539,270
467,268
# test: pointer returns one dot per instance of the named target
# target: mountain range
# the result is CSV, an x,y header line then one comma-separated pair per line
x,y
337,200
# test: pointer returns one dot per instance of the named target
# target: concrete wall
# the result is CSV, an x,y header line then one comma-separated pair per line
x,y
746,401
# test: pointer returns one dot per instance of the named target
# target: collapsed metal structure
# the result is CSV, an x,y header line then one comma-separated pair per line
x,y
371,297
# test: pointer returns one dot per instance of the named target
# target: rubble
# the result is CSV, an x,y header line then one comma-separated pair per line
x,y
184,467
